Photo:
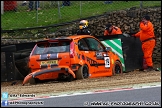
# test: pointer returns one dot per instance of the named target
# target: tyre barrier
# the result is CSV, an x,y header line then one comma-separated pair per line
x,y
22,66
10,48
13,64
21,55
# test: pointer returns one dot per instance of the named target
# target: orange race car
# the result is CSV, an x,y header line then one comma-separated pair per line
x,y
73,57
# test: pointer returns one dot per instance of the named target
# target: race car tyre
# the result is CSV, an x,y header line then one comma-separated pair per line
x,y
70,78
33,81
117,69
82,72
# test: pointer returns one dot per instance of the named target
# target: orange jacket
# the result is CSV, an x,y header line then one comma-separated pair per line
x,y
147,31
115,30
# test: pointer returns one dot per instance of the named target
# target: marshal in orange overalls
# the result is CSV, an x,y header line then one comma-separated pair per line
x,y
112,30
147,37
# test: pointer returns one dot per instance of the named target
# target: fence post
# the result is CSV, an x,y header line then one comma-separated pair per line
x,y
59,10
80,8
2,7
141,4
37,12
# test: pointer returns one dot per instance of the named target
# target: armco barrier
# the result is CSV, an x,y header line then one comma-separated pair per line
x,y
9,71
21,46
127,48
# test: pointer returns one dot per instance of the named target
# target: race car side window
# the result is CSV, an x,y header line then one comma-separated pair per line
x,y
82,46
93,44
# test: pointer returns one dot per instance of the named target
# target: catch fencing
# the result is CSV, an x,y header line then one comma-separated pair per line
x,y
16,14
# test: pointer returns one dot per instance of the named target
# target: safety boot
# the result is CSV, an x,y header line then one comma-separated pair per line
x,y
150,68
141,69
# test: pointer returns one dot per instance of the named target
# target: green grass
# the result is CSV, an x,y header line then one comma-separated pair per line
x,y
49,15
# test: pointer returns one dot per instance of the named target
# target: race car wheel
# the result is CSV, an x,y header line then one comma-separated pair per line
x,y
117,69
33,81
82,72
70,78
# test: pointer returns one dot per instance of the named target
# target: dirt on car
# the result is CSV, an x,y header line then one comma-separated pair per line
x,y
52,87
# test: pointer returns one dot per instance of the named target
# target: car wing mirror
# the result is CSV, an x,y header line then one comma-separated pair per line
x,y
108,49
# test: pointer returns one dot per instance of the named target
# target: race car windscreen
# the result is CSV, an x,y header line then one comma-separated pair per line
x,y
52,47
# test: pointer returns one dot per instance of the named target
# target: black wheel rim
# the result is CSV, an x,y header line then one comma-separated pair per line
x,y
117,69
85,72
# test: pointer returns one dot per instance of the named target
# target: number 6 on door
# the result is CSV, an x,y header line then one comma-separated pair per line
x,y
107,62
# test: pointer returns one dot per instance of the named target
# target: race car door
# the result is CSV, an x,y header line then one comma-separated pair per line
x,y
98,54
85,55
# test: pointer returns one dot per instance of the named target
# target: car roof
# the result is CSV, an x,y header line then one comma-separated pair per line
x,y
79,36
72,37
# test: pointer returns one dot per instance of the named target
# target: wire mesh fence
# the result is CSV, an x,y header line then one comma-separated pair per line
x,y
28,14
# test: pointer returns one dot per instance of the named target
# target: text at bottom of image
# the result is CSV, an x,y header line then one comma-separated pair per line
x,y
122,103
7,103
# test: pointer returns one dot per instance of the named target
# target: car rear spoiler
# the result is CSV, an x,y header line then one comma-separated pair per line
x,y
55,39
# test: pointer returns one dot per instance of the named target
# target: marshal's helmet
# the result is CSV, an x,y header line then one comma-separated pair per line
x,y
83,24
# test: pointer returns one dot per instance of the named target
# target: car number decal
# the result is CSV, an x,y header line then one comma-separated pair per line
x,y
107,62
